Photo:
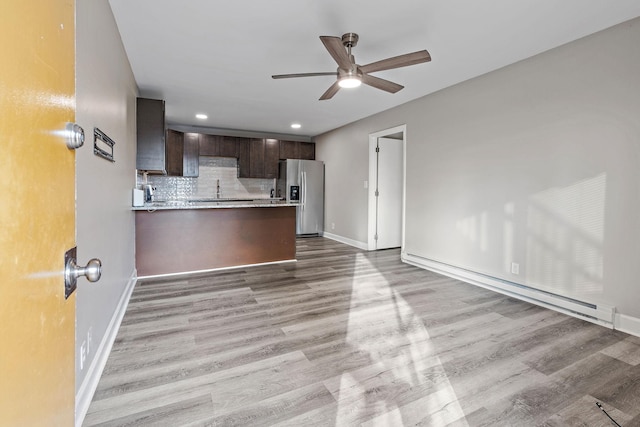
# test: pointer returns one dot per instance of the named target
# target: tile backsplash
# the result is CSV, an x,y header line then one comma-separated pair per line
x,y
213,170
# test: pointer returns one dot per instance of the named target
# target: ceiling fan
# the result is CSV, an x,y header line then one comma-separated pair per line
x,y
350,74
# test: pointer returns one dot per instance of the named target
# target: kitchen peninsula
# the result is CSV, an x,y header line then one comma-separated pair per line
x,y
215,202
187,236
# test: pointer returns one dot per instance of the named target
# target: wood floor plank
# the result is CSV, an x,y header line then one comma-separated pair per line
x,y
345,337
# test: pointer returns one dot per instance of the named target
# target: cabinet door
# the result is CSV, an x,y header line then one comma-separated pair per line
x,y
289,150
174,152
307,150
256,158
227,146
190,161
271,157
244,158
208,145
150,153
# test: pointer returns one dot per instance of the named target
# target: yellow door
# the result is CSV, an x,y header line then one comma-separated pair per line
x,y
37,212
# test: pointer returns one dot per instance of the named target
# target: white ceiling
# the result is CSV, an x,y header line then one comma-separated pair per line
x,y
217,57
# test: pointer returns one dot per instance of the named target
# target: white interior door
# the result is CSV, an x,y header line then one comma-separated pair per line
x,y
389,193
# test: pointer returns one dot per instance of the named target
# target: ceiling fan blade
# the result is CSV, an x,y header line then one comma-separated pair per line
x,y
333,89
397,62
382,84
288,76
337,51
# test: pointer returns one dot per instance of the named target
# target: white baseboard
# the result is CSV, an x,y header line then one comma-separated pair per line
x,y
601,314
627,324
346,241
88,387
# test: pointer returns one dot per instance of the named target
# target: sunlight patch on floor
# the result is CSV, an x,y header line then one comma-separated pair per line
x,y
403,359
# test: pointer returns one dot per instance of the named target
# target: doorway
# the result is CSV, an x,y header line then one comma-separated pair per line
x,y
386,188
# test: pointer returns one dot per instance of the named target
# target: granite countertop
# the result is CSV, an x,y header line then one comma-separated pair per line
x,y
213,204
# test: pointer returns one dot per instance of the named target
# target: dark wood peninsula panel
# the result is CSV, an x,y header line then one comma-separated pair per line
x,y
187,240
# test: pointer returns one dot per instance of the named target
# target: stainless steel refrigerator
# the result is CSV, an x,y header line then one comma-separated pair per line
x,y
302,181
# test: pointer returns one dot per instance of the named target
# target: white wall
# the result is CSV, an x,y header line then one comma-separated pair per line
x,y
537,163
105,95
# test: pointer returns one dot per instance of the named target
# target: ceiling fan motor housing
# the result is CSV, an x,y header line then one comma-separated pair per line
x,y
350,39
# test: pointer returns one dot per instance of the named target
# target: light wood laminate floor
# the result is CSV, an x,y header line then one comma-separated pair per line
x,y
345,337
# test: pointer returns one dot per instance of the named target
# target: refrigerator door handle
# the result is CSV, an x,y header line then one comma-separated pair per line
x,y
304,189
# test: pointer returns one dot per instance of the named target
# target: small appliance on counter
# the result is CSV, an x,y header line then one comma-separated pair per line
x,y
138,197
148,192
302,181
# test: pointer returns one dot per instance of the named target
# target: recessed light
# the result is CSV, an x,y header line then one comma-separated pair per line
x,y
296,125
201,116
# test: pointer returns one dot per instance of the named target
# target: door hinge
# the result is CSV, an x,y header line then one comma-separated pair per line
x,y
375,237
377,149
377,193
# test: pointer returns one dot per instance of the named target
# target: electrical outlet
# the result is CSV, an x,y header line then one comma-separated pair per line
x,y
83,354
333,225
515,268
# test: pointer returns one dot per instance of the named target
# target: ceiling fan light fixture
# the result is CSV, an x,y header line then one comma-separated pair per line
x,y
349,82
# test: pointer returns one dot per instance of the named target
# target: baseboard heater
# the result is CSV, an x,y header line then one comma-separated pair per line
x,y
601,314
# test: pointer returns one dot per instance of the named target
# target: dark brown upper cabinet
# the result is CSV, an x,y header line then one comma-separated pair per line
x,y
182,151
297,150
190,161
150,151
244,158
208,145
289,150
258,158
228,146
271,157
174,152
218,146
307,150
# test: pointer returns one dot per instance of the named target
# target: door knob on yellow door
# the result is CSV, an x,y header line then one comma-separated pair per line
x,y
92,271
